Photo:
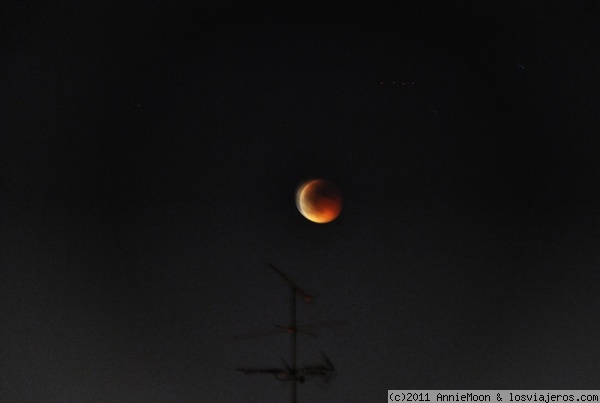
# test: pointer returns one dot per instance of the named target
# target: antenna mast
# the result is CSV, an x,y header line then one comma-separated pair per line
x,y
294,374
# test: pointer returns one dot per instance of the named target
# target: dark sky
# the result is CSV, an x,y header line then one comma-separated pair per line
x,y
150,158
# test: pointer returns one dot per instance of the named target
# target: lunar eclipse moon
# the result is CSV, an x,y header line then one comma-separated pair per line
x,y
319,200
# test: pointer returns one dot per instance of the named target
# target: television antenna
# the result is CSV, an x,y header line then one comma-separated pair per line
x,y
291,372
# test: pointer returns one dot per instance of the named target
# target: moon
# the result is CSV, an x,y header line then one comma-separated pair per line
x,y
319,200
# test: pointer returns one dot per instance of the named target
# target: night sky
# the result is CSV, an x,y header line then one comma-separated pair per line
x,y
149,162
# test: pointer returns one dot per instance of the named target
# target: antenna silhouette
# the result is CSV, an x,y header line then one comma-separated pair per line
x,y
293,373
295,289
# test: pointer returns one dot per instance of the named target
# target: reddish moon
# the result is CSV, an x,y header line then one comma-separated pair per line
x,y
319,200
